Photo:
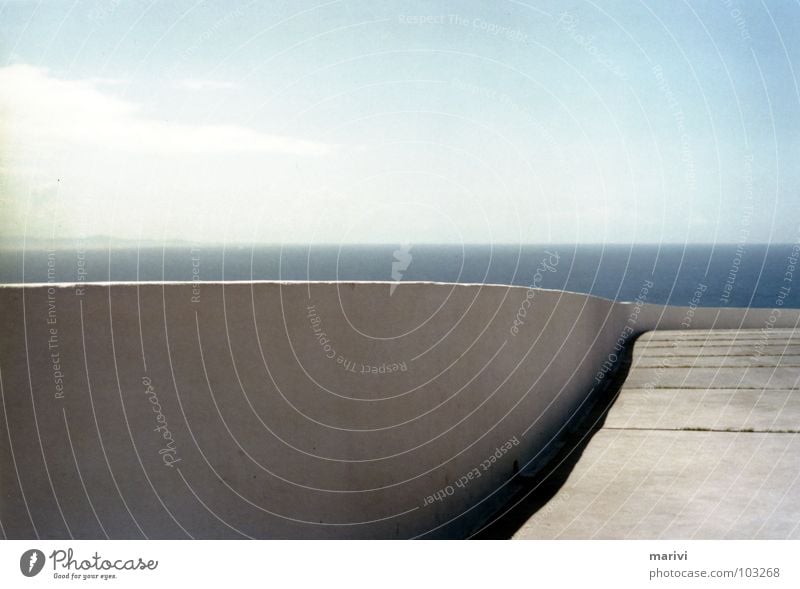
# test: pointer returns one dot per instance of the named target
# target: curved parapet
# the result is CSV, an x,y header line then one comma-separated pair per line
x,y
294,410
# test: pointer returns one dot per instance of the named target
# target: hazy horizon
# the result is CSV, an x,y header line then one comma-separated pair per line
x,y
723,275
113,243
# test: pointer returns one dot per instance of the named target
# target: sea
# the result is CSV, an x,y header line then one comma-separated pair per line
x,y
735,275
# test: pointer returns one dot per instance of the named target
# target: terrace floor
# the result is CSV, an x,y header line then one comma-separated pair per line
x,y
701,442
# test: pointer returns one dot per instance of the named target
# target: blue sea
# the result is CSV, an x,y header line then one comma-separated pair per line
x,y
722,275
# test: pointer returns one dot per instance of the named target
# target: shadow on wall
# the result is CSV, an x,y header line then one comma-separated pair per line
x,y
539,486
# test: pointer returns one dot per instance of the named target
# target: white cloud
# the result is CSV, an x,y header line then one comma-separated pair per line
x,y
42,112
107,82
199,84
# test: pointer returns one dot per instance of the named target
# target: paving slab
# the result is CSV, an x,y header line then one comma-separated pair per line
x,y
649,484
709,361
716,409
716,378
718,334
677,350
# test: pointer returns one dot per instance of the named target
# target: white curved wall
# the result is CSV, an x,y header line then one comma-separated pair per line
x,y
302,410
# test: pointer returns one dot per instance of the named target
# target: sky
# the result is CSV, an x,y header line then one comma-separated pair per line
x,y
399,122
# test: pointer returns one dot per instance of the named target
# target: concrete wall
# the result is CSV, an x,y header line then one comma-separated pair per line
x,y
304,410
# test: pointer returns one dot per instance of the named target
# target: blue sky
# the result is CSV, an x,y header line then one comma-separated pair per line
x,y
400,122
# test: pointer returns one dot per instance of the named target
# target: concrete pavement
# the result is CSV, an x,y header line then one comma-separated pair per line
x,y
701,443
